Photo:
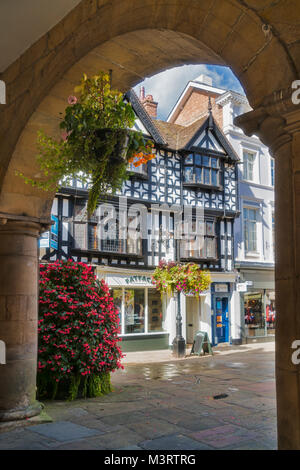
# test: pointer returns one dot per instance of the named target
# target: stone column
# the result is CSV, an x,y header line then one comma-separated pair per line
x,y
278,126
18,318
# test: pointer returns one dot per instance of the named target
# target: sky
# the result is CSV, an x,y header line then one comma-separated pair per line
x,y
167,86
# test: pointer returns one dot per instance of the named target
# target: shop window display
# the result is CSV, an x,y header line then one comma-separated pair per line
x,y
155,315
117,295
260,313
134,311
254,314
270,312
140,310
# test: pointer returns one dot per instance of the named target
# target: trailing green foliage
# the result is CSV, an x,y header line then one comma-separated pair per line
x,y
83,152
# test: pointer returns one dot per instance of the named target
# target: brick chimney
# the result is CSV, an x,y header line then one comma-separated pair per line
x,y
149,104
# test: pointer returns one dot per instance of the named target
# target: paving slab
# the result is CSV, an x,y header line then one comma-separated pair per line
x,y
168,406
124,418
23,439
152,428
174,442
224,436
251,421
64,431
116,440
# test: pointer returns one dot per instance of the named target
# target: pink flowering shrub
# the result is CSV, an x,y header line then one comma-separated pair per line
x,y
78,332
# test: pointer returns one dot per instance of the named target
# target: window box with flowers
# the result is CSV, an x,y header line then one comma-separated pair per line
x,y
96,145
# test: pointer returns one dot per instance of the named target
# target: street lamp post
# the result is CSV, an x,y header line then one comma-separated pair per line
x,y
179,341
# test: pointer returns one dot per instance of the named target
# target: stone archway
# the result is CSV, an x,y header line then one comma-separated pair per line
x,y
137,38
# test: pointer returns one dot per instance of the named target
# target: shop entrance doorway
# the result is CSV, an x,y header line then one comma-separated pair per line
x,y
222,319
192,318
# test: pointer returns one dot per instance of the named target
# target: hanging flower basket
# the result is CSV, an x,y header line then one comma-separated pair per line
x,y
187,278
117,139
96,144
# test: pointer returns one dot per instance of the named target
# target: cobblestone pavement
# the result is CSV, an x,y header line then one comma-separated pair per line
x,y
222,402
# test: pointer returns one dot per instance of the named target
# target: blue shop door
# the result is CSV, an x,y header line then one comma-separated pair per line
x,y
222,319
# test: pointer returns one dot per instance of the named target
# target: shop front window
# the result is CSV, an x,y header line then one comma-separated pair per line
x,y
270,312
273,233
155,314
140,310
254,314
117,295
260,313
134,311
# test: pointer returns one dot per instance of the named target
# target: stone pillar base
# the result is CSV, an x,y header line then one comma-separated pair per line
x,y
19,414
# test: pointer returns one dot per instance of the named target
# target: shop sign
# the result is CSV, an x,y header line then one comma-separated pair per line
x,y
138,280
241,287
54,233
50,239
221,287
192,294
123,281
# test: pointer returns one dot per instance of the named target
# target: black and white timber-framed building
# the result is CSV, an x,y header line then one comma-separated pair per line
x,y
195,167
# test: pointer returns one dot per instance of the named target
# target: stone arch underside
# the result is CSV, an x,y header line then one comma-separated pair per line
x,y
135,39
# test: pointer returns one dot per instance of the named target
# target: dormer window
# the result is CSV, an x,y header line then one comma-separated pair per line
x,y
202,170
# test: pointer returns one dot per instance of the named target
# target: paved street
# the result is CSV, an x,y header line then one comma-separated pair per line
x,y
222,402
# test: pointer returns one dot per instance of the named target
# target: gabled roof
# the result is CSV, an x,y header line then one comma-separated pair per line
x,y
178,136
191,86
185,137
146,120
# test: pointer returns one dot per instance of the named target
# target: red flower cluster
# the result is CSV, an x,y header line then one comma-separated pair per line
x,y
78,323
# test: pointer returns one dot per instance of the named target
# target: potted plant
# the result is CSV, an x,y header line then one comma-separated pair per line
x,y
96,143
187,278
